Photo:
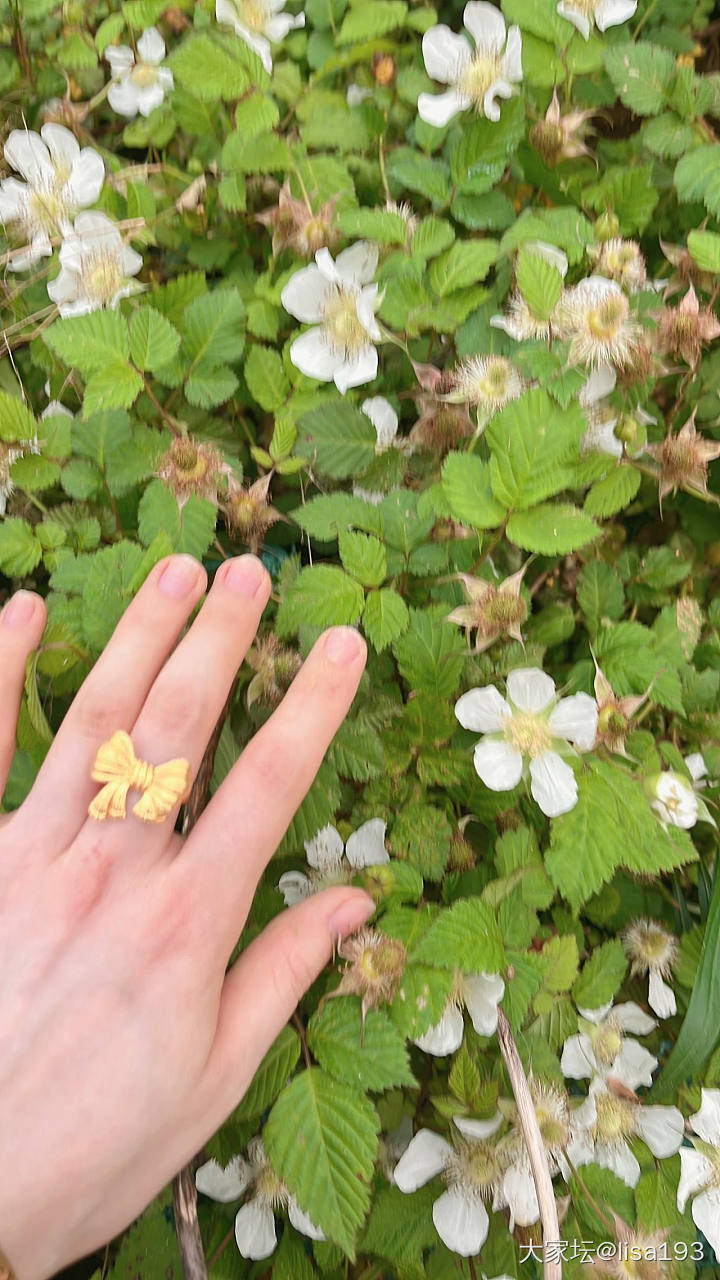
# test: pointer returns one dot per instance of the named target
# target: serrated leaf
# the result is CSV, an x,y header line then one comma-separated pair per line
x,y
324,516
539,282
116,386
376,1059
363,556
213,328
110,582
601,976
466,262
641,74
366,22
208,388
33,473
272,1075
321,1137
385,617
421,998
191,528
464,936
410,171
552,529
704,247
425,654
206,68
599,592
266,378
149,1248
89,343
357,752
321,595
615,491
20,549
466,485
17,422
154,341
533,445
380,225
338,439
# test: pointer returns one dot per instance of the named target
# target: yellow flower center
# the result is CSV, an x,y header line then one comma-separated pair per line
x,y
342,323
606,318
480,73
143,75
475,1167
47,207
528,734
607,1042
102,276
615,1119
253,14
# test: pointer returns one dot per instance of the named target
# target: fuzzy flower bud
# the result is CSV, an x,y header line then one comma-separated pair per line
x,y
558,137
248,512
192,466
375,967
492,611
684,460
275,668
295,226
682,330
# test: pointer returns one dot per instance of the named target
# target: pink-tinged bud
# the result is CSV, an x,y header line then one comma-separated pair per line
x,y
682,330
248,512
192,467
684,460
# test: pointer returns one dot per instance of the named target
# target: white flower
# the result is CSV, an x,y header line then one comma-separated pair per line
x,y
606,432
94,267
479,76
472,1171
339,300
595,316
255,1221
697,767
364,848
356,94
604,1122
138,85
623,261
481,994
385,421
489,382
673,800
259,23
60,179
604,13
602,1049
700,1169
524,729
652,950
556,1123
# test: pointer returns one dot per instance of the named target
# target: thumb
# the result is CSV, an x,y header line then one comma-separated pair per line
x,y
21,626
265,984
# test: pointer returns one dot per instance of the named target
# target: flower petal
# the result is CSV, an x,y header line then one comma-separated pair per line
x,y
255,1230
600,384
221,1184
482,710
27,153
499,89
485,24
325,850
438,109
13,198
632,1018
512,61
576,719
302,1222
311,354
634,1065
482,993
425,1157
578,1058
461,1223
446,54
357,371
445,1036
305,294
479,1129
696,765
86,178
358,264
553,784
383,417
365,305
294,887
610,13
706,1121
577,18
124,97
151,46
620,1160
661,996
521,1196
661,1129
696,1172
497,765
706,1216
530,689
120,57
366,846
63,146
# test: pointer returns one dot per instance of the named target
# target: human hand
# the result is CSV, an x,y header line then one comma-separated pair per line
x,y
123,1042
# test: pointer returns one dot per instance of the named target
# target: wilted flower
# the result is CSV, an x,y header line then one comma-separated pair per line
x,y
700,1169
441,426
620,260
255,1232
487,382
492,611
481,994
652,950
684,459
275,667
682,330
640,1255
558,137
375,966
385,421
295,225
479,76
192,466
364,848
339,300
523,733
675,800
260,23
605,1121
59,178
471,1168
248,512
138,84
95,267
602,1049
614,713
604,13
595,316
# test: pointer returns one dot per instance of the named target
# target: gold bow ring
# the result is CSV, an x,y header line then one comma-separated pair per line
x,y
163,786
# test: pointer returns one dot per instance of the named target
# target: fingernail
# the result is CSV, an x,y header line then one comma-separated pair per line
x,y
343,645
353,912
19,610
179,577
245,576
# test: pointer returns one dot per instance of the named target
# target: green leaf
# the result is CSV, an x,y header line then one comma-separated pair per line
x,y
552,529
357,752
410,171
421,998
615,491
704,247
191,528
533,443
599,592
367,22
465,263
375,1060
363,556
431,237
33,473
337,439
321,1137
464,936
20,550
558,964
324,516
90,343
17,422
427,654
110,583
149,1248
266,378
209,387
322,595
421,836
539,282
385,618
641,74
213,327
601,976
466,485
700,1031
203,66
154,341
272,1075
116,386
400,1229
374,224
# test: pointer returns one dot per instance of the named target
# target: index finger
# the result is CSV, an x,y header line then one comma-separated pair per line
x,y
238,833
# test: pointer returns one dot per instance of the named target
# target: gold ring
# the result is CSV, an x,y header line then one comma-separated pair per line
x,y
163,786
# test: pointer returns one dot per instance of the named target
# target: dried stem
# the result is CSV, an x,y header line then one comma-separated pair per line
x,y
552,1269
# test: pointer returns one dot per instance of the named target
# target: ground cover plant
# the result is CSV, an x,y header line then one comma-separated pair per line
x,y
419,303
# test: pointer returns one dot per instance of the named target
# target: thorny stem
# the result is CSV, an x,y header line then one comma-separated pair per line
x,y
552,1269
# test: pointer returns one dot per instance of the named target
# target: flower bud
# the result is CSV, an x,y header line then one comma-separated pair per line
x,y
632,433
606,226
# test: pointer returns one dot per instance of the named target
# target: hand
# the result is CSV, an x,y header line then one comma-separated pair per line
x,y
124,1043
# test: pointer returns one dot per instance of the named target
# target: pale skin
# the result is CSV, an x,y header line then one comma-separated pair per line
x,y
124,1039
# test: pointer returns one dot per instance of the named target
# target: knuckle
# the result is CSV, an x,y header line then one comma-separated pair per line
x,y
171,711
97,718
